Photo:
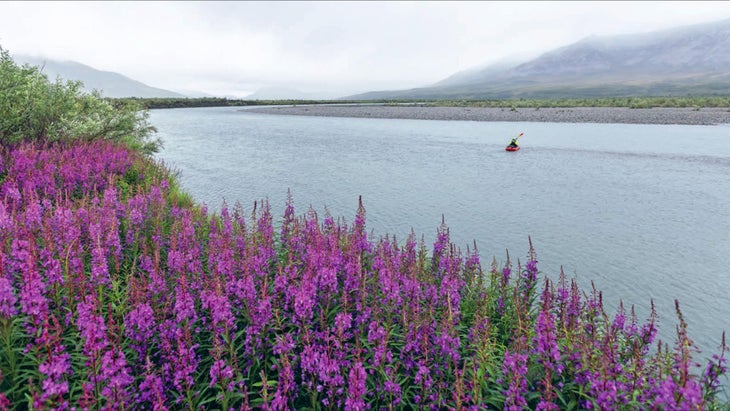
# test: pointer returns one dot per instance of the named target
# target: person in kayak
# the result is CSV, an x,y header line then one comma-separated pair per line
x,y
515,141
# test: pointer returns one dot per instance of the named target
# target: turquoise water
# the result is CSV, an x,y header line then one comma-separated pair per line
x,y
642,211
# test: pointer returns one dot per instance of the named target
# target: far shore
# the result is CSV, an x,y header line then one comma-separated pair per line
x,y
624,115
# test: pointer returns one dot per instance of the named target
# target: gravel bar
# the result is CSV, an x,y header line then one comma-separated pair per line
x,y
689,115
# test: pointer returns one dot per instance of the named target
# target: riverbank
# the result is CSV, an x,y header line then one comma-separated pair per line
x,y
686,115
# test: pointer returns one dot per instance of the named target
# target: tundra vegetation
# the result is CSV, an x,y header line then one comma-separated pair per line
x,y
119,292
695,102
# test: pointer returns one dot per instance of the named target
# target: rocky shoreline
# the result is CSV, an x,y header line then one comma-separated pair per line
x,y
688,115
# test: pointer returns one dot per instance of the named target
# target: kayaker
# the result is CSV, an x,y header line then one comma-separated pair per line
x,y
514,142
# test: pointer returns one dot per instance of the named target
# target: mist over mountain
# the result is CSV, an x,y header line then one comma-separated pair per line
x,y
109,83
688,60
288,93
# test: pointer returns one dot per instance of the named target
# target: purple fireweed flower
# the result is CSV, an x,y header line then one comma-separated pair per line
x,y
506,275
322,370
184,365
116,376
51,267
529,275
545,340
544,405
140,326
20,255
99,265
359,238
514,368
284,344
304,300
56,367
32,296
356,388
449,346
33,214
220,371
343,322
423,377
219,308
7,298
289,219
714,369
393,389
11,193
152,390
4,402
377,338
6,219
665,395
92,327
286,387
156,283
184,308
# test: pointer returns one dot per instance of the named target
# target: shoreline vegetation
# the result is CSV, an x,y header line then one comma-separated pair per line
x,y
693,102
637,110
117,291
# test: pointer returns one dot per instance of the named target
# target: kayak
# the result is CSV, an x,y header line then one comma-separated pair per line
x,y
510,148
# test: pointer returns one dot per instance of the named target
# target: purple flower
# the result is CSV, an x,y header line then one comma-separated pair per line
x,y
220,371
219,308
152,390
32,295
56,368
356,388
116,377
140,326
514,368
184,365
7,298
93,329
184,308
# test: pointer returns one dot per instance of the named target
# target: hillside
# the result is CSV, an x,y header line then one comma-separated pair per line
x,y
111,84
689,60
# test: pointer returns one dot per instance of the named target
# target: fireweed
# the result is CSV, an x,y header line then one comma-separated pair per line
x,y
115,296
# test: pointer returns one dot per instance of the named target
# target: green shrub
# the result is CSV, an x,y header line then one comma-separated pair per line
x,y
32,108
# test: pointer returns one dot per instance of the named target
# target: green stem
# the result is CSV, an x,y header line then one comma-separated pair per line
x,y
7,329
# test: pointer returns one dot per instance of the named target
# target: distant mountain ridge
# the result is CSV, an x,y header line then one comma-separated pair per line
x,y
109,83
689,60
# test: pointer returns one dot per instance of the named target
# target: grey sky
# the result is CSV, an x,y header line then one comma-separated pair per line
x,y
235,48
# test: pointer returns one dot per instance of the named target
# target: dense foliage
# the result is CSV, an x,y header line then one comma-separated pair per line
x,y
32,108
115,294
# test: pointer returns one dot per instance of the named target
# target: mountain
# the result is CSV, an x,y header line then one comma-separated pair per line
x,y
111,84
689,60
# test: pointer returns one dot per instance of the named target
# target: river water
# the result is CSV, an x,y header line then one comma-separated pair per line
x,y
642,211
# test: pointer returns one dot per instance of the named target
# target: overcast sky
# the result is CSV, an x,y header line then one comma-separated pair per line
x,y
236,48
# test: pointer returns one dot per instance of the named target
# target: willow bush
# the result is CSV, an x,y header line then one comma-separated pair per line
x,y
33,108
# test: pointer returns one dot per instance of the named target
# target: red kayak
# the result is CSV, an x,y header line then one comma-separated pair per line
x,y
514,145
